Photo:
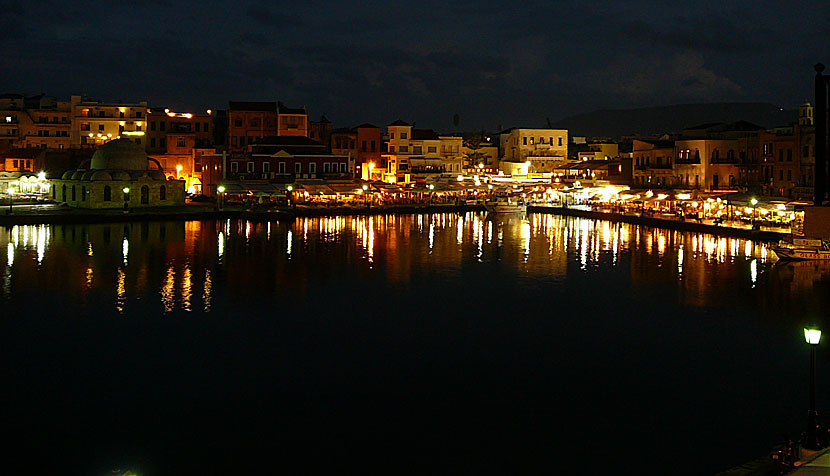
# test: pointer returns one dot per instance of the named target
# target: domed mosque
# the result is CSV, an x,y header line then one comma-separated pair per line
x,y
117,166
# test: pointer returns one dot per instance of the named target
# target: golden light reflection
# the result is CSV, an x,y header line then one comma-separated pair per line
x,y
10,254
206,291
89,276
220,244
121,291
168,289
186,291
125,249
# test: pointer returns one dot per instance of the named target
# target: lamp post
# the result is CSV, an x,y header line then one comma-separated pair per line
x,y
11,192
290,189
220,190
754,203
126,191
365,196
431,188
814,439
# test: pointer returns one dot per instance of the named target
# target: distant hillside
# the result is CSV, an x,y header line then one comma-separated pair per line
x,y
659,120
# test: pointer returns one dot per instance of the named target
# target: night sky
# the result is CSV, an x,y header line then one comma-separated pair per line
x,y
493,63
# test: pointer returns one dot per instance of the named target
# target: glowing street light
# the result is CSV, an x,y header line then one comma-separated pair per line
x,y
178,170
814,438
126,191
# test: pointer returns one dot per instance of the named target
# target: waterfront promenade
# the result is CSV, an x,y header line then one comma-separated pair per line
x,y
54,214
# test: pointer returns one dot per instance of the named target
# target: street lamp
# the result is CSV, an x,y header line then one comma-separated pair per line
x,y
178,171
431,188
814,439
754,203
11,192
221,191
365,196
126,191
371,166
290,189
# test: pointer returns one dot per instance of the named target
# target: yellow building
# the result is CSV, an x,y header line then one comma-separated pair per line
x,y
419,153
543,148
95,122
35,122
653,163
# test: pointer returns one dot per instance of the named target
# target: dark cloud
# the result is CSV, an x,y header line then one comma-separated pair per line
x,y
710,33
268,16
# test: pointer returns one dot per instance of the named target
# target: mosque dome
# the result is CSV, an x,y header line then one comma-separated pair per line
x,y
101,175
120,154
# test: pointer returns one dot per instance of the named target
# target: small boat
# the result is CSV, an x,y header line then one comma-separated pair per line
x,y
505,205
802,249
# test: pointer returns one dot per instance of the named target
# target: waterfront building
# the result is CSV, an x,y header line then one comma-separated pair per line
x,y
543,148
779,161
321,131
95,122
165,126
286,159
653,164
34,122
249,122
119,175
419,153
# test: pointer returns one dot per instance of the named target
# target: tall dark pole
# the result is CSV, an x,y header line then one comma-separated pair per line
x,y
820,121
812,439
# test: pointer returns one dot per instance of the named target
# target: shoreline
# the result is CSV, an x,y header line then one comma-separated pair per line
x,y
198,212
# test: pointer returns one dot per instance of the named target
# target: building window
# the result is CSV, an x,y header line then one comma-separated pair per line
x,y
237,122
152,125
417,150
281,167
73,193
162,125
100,127
163,142
312,168
145,195
363,146
235,167
392,135
107,193
403,135
163,193
197,126
139,114
298,168
250,167
789,175
392,148
180,142
152,142
432,149
326,167
266,167
524,140
789,155
343,167
373,146
404,148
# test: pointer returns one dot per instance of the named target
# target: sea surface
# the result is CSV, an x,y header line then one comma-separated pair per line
x,y
418,343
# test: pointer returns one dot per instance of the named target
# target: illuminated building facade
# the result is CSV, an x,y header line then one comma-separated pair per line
x,y
34,122
781,168
419,153
543,148
653,163
119,175
95,122
250,121
285,159
162,123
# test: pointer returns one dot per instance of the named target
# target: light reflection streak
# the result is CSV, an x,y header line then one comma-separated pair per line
x,y
125,249
680,260
220,245
206,292
89,276
89,249
753,271
168,290
121,291
431,235
10,255
289,240
186,291
459,231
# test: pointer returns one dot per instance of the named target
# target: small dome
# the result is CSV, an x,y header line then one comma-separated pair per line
x,y
100,175
78,175
120,154
67,175
87,175
156,175
121,175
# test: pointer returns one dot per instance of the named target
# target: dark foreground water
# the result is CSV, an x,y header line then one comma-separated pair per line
x,y
421,343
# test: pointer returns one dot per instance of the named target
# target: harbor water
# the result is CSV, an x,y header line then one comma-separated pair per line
x,y
409,343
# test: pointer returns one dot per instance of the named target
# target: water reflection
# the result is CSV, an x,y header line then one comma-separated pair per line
x,y
246,260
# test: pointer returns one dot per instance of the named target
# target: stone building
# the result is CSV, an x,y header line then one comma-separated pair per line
x,y
117,166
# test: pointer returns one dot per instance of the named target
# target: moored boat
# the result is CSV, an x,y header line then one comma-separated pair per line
x,y
505,205
802,249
